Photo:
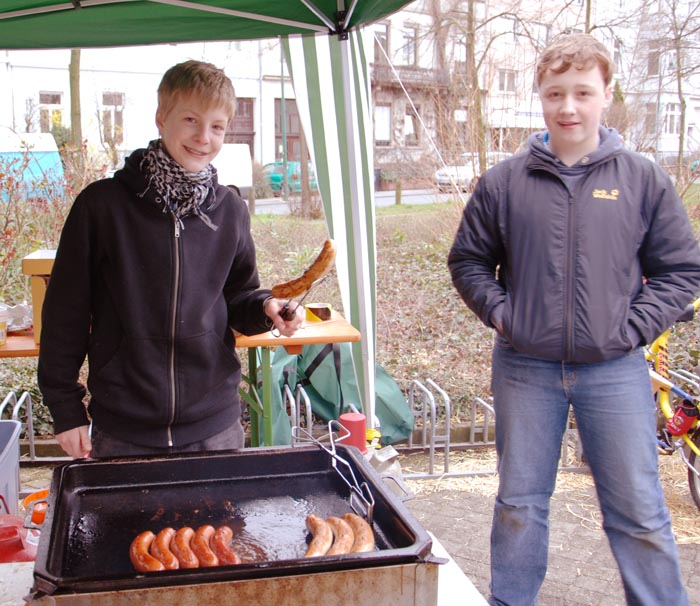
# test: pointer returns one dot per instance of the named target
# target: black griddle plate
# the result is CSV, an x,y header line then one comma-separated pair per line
x,y
96,508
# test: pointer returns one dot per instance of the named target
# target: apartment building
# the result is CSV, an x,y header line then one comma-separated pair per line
x,y
447,77
467,66
118,93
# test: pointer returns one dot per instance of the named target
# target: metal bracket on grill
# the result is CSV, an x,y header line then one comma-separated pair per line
x,y
361,498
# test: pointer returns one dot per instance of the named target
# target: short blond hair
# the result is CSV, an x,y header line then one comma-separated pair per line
x,y
203,80
580,51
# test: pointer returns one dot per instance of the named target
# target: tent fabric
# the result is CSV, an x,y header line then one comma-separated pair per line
x,y
103,23
331,82
326,374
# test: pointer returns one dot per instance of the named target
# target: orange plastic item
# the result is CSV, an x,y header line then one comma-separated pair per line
x,y
39,510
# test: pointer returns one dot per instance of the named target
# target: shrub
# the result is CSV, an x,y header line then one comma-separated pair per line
x,y
32,214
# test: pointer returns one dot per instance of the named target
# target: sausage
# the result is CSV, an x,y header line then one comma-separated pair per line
x,y
364,537
221,546
160,549
343,536
319,268
201,546
180,546
322,536
139,554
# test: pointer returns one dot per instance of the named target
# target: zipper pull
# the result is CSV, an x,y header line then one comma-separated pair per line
x,y
177,227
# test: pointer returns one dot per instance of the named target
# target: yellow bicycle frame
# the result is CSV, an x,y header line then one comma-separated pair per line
x,y
657,354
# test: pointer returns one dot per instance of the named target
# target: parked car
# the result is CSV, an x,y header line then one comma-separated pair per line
x,y
463,176
273,175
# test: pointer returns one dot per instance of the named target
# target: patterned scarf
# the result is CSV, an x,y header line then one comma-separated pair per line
x,y
176,189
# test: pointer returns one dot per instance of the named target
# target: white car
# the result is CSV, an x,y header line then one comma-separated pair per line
x,y
463,176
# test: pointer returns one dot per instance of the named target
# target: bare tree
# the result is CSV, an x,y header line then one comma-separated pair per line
x,y
684,45
482,29
663,58
30,112
618,116
76,128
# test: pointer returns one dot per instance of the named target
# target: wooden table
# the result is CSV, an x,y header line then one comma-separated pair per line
x,y
20,345
335,330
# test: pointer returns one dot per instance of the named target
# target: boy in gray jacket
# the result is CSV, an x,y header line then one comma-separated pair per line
x,y
578,252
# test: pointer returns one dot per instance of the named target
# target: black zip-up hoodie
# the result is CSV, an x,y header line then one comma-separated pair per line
x,y
580,264
151,302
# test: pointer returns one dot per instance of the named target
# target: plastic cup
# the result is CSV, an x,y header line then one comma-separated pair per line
x,y
356,424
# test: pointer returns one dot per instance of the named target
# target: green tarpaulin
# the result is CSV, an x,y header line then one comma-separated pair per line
x,y
326,374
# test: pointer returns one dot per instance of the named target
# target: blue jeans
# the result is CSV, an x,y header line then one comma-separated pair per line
x,y
615,416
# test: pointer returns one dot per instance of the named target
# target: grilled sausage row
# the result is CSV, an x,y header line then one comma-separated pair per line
x,y
171,549
335,536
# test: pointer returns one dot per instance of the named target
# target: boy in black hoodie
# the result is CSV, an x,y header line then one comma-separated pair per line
x,y
154,268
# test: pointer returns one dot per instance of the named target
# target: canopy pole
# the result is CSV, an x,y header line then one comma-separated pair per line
x,y
365,324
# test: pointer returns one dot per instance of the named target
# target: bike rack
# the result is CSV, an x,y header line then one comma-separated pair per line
x,y
294,403
16,405
489,417
424,405
421,401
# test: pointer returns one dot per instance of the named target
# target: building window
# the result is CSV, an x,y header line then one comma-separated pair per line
x,y
410,44
650,119
292,130
461,117
653,59
381,42
245,107
617,55
672,120
516,28
50,111
506,80
459,56
670,61
113,117
382,125
242,128
411,127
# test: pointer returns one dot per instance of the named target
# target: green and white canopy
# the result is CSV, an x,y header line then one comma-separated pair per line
x,y
100,23
332,86
326,58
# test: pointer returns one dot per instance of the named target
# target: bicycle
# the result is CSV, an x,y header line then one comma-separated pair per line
x,y
670,395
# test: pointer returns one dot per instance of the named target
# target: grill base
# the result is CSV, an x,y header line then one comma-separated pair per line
x,y
402,585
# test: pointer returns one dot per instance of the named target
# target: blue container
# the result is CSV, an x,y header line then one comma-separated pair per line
x,y
9,466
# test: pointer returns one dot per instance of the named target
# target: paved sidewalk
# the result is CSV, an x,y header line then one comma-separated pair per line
x,y
581,570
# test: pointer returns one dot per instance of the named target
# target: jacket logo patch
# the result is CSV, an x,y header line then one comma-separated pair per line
x,y
603,193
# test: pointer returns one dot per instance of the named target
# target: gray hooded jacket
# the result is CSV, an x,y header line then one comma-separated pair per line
x,y
580,264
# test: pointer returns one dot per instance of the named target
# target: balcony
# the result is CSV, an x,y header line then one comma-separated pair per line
x,y
410,76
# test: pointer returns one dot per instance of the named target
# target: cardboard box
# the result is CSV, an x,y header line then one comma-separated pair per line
x,y
38,266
